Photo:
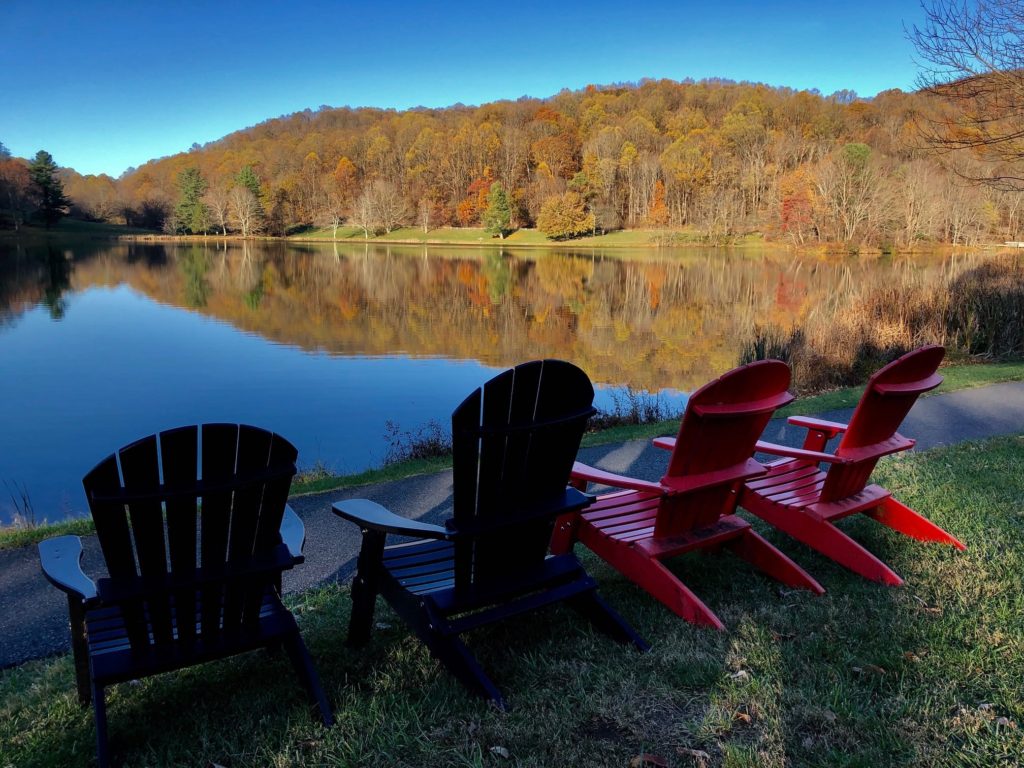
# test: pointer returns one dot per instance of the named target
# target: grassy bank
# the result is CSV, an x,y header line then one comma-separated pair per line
x,y
319,480
925,675
631,238
527,237
75,229
627,238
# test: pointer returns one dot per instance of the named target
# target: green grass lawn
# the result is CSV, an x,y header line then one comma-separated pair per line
x,y
924,675
477,236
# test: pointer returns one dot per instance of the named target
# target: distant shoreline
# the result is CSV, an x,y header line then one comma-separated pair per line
x,y
648,239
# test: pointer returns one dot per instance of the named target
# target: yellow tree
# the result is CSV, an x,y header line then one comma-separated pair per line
x,y
564,216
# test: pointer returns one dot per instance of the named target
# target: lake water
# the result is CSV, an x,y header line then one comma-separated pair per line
x,y
101,344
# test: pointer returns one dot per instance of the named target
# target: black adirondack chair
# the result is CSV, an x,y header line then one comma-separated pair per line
x,y
195,531
514,443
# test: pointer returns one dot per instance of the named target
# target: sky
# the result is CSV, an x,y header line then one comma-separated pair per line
x,y
104,86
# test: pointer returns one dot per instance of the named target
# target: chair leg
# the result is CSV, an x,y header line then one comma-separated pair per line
x,y
824,537
902,518
833,543
365,587
752,547
655,578
564,534
304,668
99,706
459,660
80,649
600,614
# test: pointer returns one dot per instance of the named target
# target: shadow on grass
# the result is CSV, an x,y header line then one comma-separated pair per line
x,y
865,675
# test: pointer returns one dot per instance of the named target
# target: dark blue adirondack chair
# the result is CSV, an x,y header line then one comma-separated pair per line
x,y
514,443
195,532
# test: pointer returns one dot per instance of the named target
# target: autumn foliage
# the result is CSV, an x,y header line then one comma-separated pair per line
x,y
718,158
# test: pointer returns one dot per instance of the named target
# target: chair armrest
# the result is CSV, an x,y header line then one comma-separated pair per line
x,y
61,560
894,444
665,443
909,387
595,475
293,533
799,453
370,515
830,428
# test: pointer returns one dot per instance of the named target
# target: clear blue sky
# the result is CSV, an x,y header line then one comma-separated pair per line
x,y
106,85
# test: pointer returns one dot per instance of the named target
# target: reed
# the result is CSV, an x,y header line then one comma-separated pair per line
x,y
975,312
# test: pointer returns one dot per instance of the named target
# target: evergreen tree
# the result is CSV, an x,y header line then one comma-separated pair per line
x,y
498,214
191,213
248,178
4,151
48,188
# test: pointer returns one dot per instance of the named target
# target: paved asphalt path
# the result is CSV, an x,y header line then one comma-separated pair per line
x,y
33,615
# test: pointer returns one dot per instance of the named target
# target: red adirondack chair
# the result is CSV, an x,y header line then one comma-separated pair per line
x,y
803,500
693,506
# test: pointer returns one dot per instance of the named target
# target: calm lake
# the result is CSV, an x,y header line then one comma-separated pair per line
x,y
105,343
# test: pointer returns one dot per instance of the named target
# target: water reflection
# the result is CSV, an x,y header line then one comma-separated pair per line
x,y
105,343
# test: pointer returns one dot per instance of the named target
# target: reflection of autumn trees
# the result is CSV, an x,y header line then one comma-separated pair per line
x,y
22,281
653,321
31,276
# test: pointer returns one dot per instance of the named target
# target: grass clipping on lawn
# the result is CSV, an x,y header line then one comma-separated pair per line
x,y
924,675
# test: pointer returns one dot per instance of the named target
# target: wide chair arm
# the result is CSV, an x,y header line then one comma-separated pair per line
x,y
829,428
61,560
582,471
369,515
293,533
665,443
774,449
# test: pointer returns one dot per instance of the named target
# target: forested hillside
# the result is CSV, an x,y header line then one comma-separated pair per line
x,y
718,158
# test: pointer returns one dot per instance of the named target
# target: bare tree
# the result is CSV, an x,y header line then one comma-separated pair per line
x,y
962,208
972,57
850,191
218,200
389,205
245,210
424,213
332,210
917,202
363,213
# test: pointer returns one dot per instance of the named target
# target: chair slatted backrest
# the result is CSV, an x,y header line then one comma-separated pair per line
x,y
514,443
188,522
722,422
887,399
